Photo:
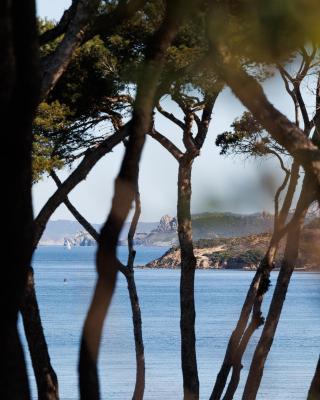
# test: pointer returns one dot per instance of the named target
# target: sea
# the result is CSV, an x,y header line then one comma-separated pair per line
x,y
64,285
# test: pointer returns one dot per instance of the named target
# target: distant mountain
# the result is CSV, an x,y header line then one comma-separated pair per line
x,y
57,231
227,224
209,226
164,233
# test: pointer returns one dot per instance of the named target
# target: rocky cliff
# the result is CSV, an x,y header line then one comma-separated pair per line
x,y
81,238
165,234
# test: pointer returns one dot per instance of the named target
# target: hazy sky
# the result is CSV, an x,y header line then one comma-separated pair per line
x,y
219,183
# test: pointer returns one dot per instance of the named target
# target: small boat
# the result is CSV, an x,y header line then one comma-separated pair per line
x,y
68,245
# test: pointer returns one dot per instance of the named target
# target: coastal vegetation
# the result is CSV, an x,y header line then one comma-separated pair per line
x,y
112,64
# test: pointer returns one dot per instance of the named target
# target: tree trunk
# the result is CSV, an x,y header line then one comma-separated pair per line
x,y
47,382
19,92
134,301
251,94
287,267
188,265
314,391
237,366
138,338
128,272
124,192
239,330
259,285
54,65
46,378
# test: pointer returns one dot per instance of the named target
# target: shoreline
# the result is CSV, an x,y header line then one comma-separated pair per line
x,y
304,270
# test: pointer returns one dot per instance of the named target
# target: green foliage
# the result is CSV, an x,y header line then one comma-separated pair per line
x,y
247,138
82,99
103,69
90,79
265,31
251,256
51,129
43,160
43,26
129,42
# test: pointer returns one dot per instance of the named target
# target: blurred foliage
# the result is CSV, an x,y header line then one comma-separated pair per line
x,y
264,31
184,68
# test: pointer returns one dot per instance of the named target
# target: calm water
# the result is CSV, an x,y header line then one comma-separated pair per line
x,y
219,295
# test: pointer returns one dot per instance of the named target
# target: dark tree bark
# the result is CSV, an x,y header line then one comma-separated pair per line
x,y
235,338
46,378
240,336
54,65
73,24
135,306
188,266
19,90
237,346
61,27
307,196
124,192
80,23
255,322
193,146
128,272
314,391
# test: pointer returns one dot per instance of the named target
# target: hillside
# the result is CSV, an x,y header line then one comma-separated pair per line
x,y
228,224
164,232
244,252
213,225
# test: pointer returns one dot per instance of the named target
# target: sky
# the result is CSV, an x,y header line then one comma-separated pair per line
x,y
218,183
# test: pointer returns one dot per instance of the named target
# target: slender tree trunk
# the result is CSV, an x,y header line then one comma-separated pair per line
x,y
237,366
314,391
287,267
262,275
19,91
124,192
46,378
128,272
258,287
138,338
134,301
47,382
52,69
188,266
